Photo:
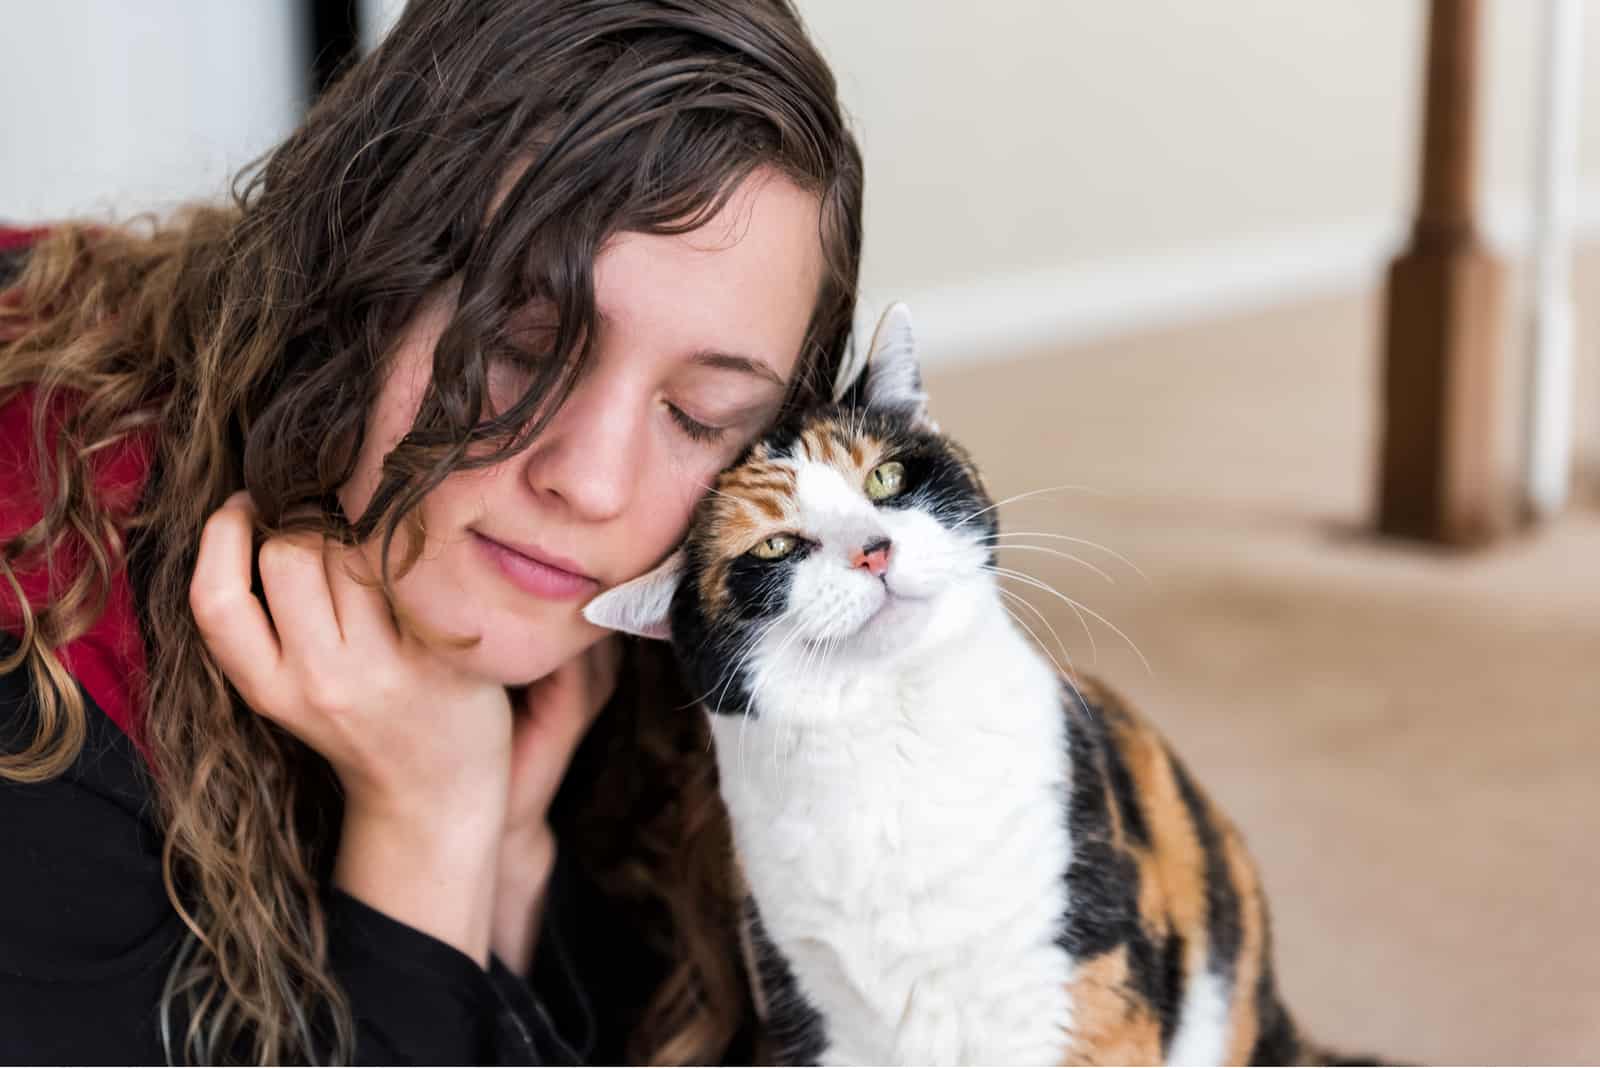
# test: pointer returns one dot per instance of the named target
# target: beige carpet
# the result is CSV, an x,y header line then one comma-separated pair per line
x,y
1408,740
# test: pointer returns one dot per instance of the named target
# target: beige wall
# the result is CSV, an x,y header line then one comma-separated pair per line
x,y
1012,137
1112,162
114,109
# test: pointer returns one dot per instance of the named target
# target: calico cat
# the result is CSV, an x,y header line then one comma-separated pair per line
x,y
955,853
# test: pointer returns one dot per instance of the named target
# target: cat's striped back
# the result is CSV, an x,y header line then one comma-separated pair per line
x,y
1166,920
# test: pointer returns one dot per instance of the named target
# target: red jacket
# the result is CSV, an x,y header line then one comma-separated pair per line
x,y
108,659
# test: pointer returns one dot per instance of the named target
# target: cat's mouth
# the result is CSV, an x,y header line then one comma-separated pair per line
x,y
893,596
893,610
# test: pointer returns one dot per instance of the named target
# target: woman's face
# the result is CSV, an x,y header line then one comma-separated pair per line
x,y
698,336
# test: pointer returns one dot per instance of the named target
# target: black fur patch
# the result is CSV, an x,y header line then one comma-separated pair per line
x,y
1126,796
1169,992
793,1023
1102,880
759,589
939,481
1276,1040
708,650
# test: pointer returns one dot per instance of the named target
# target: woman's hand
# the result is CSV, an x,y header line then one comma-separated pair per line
x,y
423,752
552,716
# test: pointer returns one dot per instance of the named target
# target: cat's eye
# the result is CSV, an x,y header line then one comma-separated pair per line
x,y
886,480
776,547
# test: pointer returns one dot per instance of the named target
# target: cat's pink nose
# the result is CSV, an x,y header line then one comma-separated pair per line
x,y
873,556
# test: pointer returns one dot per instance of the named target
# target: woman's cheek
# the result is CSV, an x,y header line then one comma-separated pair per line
x,y
670,523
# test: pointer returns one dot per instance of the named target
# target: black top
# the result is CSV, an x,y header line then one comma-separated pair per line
x,y
88,936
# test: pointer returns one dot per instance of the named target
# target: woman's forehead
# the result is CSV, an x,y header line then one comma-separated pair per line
x,y
744,284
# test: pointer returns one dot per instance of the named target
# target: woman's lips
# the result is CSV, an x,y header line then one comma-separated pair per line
x,y
542,577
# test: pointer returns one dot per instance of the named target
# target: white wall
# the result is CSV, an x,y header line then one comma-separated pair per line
x,y
1036,169
1042,169
113,107
1030,133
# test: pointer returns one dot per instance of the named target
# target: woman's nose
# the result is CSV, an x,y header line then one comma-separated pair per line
x,y
587,457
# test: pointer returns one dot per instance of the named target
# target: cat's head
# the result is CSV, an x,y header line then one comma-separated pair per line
x,y
855,537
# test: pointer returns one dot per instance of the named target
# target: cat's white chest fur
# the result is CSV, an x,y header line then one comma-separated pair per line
x,y
907,849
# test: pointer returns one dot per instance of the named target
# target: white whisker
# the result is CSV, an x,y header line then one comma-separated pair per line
x,y
739,659
1094,647
1024,496
803,677
1066,676
1012,595
759,682
1064,556
1076,606
748,713
1076,541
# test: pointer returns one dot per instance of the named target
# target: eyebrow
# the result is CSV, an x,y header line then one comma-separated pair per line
x,y
725,361
728,361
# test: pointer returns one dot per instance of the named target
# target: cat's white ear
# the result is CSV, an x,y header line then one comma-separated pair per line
x,y
642,606
893,375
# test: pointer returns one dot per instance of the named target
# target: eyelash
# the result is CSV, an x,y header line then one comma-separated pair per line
x,y
696,430
518,360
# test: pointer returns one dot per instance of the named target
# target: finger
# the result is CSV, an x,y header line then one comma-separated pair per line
x,y
298,598
231,619
362,610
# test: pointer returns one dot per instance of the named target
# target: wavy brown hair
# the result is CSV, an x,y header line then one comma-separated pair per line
x,y
497,143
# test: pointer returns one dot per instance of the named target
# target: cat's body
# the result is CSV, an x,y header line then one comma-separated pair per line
x,y
953,853
927,934
1077,902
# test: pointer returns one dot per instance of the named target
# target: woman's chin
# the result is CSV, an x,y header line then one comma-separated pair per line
x,y
518,655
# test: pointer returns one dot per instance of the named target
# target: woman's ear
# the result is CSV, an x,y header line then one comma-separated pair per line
x,y
642,606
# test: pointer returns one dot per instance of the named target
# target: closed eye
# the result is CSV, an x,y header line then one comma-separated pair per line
x,y
696,430
511,372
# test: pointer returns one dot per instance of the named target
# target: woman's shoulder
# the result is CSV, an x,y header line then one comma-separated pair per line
x,y
89,899
108,764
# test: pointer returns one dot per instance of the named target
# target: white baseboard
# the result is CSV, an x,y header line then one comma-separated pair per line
x,y
998,317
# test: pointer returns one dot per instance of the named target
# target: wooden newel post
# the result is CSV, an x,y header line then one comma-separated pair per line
x,y
1440,480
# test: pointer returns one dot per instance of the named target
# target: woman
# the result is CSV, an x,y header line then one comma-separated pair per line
x,y
301,500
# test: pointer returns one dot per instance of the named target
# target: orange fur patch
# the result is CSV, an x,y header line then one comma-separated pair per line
x,y
1109,1025
1246,1025
755,500
1172,893
1172,867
